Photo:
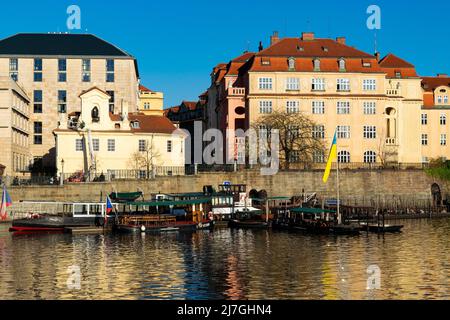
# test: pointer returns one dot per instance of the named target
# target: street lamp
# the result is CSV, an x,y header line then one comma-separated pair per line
x,y
61,178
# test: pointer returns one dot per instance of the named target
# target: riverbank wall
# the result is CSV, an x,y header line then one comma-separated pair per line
x,y
357,187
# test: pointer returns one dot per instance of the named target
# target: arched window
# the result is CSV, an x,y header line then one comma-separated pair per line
x,y
342,64
343,157
95,115
370,157
443,119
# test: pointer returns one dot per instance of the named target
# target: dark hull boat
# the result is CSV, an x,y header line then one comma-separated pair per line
x,y
249,224
182,226
125,196
47,223
381,229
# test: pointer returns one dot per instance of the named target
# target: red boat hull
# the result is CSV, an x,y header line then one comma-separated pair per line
x,y
34,229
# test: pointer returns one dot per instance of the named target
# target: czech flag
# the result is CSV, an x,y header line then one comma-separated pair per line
x,y
109,208
6,202
331,157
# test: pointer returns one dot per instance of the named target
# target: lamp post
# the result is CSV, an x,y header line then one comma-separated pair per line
x,y
61,178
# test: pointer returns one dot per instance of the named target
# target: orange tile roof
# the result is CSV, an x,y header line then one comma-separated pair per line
x,y
191,105
145,89
151,123
392,61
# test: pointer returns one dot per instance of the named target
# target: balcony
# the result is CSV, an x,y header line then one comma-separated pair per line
x,y
237,92
391,141
393,92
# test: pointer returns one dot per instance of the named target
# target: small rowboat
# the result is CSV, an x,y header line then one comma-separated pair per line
x,y
250,224
373,227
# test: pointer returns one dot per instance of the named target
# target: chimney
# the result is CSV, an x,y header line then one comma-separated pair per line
x,y
340,40
274,38
442,75
307,35
377,55
260,47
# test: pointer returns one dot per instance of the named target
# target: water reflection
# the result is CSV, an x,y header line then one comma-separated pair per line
x,y
228,264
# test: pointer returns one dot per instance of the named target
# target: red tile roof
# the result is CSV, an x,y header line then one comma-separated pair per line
x,y
431,83
151,124
191,105
392,61
171,109
244,57
296,47
145,89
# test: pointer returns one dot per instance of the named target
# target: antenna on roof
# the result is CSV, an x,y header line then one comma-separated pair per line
x,y
375,41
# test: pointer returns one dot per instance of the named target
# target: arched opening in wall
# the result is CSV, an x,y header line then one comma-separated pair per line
x,y
239,110
436,195
95,115
391,123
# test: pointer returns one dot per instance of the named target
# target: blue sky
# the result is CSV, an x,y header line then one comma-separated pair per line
x,y
178,42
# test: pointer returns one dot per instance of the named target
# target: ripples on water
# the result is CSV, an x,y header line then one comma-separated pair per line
x,y
228,264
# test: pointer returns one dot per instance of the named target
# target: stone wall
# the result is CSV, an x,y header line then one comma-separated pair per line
x,y
359,186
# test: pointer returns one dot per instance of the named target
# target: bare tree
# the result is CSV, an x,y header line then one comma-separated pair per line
x,y
145,159
298,140
386,153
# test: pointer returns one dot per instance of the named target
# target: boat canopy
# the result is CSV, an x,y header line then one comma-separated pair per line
x,y
169,203
311,210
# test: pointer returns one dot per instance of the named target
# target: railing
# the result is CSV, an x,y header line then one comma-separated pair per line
x,y
391,141
236,91
393,92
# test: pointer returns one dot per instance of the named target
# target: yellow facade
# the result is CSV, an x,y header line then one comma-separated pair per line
x,y
151,102
397,110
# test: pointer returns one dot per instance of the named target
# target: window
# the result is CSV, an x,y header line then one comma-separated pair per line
x,y
316,65
62,101
443,139
37,100
265,83
443,119
86,70
142,145
341,65
109,70
146,105
318,132
265,106
292,106
343,132
439,99
425,160
96,144
14,68
370,157
446,99
37,70
424,119
292,84
369,107
293,132
343,85
343,107
343,157
424,139
79,145
318,107
318,156
111,145
294,156
111,101
370,132
38,133
369,85
264,130
169,145
62,70
318,84
398,74
135,124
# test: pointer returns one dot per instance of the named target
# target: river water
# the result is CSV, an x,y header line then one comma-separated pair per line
x,y
228,264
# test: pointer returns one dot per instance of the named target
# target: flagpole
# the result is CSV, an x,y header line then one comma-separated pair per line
x,y
338,193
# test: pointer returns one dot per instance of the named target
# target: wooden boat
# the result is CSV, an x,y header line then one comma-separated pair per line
x,y
249,224
56,216
164,216
125,196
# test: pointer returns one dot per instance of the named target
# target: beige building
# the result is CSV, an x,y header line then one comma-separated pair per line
x,y
96,141
374,103
54,69
14,128
150,102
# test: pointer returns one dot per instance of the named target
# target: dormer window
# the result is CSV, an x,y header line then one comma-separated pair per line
x,y
291,63
135,124
95,115
325,49
316,65
398,74
341,65
299,48
367,64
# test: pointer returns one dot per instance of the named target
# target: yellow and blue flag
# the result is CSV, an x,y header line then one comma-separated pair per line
x,y
331,157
